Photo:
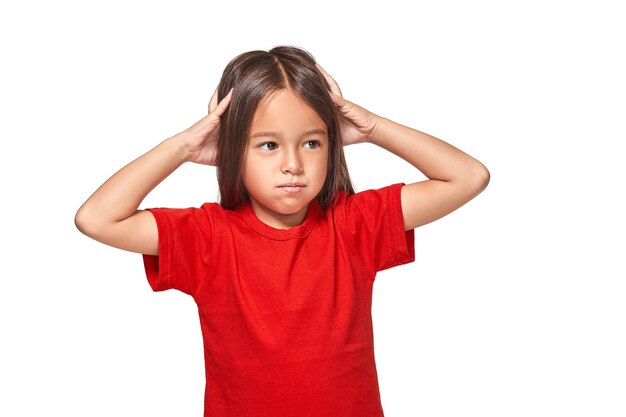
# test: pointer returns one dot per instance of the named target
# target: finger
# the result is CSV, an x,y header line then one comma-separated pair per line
x,y
213,101
338,99
334,87
223,105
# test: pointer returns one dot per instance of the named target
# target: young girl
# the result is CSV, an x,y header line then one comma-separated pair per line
x,y
282,269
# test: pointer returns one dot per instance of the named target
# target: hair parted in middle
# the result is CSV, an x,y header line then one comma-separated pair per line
x,y
255,75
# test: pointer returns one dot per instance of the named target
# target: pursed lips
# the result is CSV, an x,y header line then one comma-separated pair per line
x,y
292,187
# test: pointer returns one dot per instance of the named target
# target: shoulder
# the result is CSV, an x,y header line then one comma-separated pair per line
x,y
202,217
380,197
212,208
367,205
372,222
187,212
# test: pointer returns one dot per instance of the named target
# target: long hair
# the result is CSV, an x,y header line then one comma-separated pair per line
x,y
255,75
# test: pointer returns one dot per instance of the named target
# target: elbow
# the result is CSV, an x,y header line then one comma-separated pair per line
x,y
477,178
85,222
80,220
483,177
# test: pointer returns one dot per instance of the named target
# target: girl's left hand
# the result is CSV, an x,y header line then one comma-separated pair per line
x,y
356,123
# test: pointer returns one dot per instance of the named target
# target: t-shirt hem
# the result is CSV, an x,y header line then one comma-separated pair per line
x,y
157,266
401,239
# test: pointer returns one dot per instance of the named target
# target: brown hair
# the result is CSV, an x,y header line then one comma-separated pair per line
x,y
255,75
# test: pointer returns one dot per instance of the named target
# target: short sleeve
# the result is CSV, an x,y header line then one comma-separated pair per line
x,y
185,237
375,218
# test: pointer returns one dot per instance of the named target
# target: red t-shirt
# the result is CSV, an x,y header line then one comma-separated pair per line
x,y
285,314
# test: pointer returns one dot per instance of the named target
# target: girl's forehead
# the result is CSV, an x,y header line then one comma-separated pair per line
x,y
285,111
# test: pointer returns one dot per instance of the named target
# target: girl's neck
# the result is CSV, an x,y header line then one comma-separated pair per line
x,y
278,220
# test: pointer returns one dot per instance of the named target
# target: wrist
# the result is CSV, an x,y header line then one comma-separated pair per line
x,y
178,146
376,133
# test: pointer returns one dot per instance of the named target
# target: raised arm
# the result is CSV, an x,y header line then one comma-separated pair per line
x,y
454,176
110,215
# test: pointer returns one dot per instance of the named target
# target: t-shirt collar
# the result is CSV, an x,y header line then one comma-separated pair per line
x,y
295,232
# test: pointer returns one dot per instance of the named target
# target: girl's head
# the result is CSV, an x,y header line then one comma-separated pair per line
x,y
280,93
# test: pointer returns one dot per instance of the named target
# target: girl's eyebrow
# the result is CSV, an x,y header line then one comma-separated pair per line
x,y
274,134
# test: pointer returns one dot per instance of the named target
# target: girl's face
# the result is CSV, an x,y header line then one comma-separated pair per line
x,y
286,159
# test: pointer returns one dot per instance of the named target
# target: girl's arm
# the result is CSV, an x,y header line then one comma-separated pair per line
x,y
454,176
110,215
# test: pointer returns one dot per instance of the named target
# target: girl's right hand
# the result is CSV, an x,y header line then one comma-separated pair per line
x,y
200,140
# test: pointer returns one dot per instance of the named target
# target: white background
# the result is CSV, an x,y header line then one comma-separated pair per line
x,y
515,304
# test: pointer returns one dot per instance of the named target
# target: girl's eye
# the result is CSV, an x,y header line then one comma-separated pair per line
x,y
268,146
312,144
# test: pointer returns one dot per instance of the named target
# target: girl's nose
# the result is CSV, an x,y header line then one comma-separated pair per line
x,y
292,164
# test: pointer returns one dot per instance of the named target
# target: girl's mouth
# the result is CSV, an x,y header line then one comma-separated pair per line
x,y
292,188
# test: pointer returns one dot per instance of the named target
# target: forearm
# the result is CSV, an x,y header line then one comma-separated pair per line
x,y
454,177
435,158
120,196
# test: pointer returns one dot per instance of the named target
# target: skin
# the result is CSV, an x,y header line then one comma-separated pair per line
x,y
110,215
